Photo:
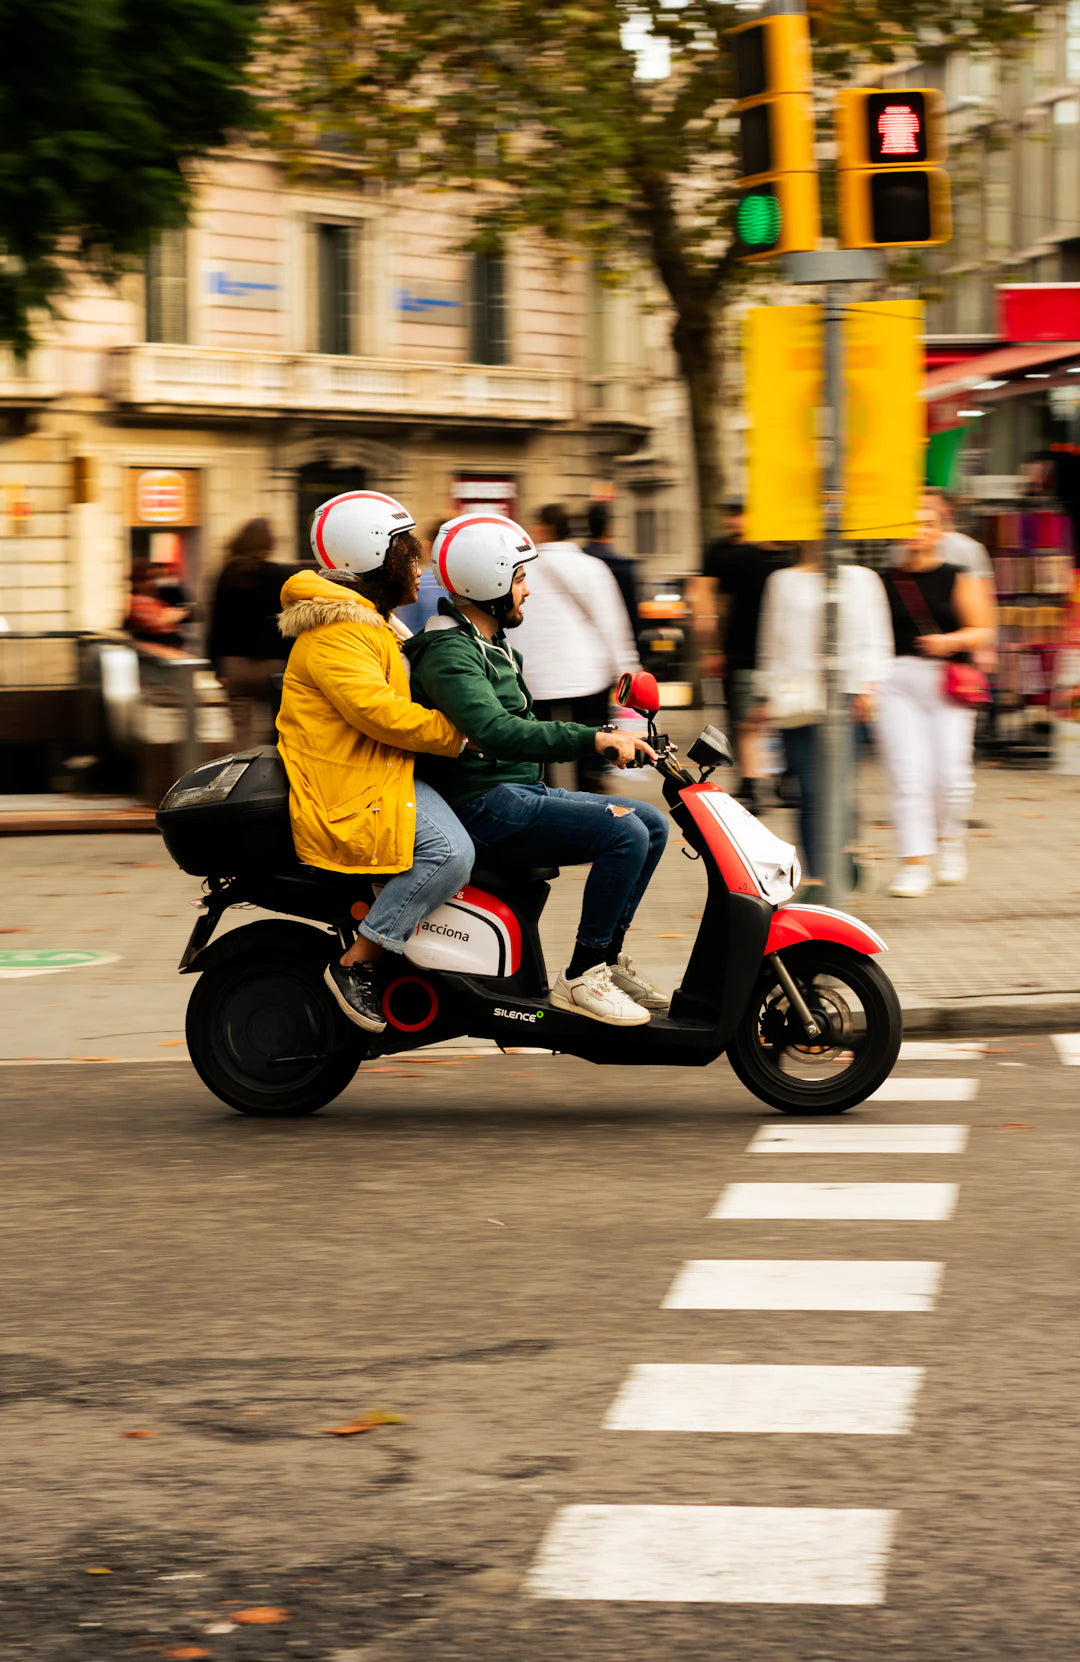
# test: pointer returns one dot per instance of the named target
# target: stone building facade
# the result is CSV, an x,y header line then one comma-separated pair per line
x,y
301,338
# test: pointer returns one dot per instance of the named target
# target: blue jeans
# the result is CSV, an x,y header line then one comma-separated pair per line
x,y
802,748
539,825
442,861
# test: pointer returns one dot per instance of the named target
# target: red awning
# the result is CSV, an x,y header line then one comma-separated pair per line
x,y
996,366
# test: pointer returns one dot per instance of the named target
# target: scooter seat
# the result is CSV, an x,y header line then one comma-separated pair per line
x,y
492,877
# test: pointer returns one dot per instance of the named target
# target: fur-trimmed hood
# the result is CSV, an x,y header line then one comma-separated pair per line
x,y
309,601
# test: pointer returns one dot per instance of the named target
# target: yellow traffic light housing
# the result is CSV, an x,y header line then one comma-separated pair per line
x,y
777,205
893,190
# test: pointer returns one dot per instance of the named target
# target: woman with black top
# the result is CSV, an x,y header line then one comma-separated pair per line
x,y
244,644
938,613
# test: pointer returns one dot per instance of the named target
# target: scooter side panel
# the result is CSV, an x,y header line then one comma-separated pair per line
x,y
473,933
794,924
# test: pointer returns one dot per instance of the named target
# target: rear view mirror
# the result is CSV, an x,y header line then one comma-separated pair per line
x,y
639,692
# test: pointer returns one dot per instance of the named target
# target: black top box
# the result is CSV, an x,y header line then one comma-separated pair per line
x,y
230,817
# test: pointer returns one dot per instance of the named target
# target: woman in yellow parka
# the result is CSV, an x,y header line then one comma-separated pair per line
x,y
348,730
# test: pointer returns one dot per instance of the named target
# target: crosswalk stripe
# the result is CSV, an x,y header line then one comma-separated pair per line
x,y
715,1554
753,1399
804,1284
942,1050
857,1137
908,1202
1067,1046
926,1090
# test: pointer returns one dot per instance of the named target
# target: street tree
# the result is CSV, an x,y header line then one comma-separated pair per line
x,y
599,123
104,105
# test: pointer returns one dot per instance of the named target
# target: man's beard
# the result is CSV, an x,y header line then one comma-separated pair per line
x,y
512,619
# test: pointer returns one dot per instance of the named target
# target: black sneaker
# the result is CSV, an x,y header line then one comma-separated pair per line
x,y
355,990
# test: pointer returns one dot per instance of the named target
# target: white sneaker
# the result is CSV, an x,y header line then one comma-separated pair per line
x,y
952,864
595,994
912,882
635,986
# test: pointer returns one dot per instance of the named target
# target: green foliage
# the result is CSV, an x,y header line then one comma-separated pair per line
x,y
535,108
103,103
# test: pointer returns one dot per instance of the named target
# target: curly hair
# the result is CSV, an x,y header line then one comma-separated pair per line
x,y
387,587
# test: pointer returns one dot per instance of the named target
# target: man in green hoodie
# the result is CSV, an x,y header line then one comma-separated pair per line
x,y
463,666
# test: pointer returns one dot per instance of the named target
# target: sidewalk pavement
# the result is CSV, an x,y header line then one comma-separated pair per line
x,y
999,953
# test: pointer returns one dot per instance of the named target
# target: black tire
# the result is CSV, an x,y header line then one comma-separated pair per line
x,y
769,1053
260,1004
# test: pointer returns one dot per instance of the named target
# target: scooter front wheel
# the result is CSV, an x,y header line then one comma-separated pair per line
x,y
266,1037
854,1003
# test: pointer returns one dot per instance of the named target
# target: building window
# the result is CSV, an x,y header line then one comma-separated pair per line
x,y
1072,41
335,247
166,289
487,309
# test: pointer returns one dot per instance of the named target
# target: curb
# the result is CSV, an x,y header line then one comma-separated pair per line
x,y
59,823
981,1018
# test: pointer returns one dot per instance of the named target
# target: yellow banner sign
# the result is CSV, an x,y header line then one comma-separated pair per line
x,y
883,421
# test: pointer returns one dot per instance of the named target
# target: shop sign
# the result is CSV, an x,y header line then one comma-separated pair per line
x,y
1039,311
499,494
431,302
229,283
164,496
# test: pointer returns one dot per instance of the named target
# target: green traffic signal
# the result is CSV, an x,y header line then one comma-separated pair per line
x,y
759,220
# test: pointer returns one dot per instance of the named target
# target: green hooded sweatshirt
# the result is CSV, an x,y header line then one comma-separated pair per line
x,y
478,684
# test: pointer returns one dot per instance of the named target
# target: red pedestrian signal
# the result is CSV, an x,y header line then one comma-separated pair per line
x,y
893,192
901,132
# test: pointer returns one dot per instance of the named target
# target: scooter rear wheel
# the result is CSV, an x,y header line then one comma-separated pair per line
x,y
250,1011
857,1005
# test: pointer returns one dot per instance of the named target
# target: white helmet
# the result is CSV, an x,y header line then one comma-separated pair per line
x,y
476,555
352,532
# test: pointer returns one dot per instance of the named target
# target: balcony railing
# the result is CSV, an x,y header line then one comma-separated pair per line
x,y
33,381
270,383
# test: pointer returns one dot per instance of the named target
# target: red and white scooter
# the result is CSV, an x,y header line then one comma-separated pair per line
x,y
793,994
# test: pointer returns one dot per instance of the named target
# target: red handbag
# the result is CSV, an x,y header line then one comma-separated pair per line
x,y
962,683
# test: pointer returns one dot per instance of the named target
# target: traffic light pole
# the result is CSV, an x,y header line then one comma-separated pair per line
x,y
833,270
836,734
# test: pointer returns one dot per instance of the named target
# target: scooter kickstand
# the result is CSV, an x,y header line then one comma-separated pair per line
x,y
795,997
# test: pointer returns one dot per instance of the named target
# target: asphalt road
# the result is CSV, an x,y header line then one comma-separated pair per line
x,y
484,1247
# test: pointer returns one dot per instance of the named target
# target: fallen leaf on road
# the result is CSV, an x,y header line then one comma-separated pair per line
x,y
163,1044
186,1653
98,1570
366,1422
93,1058
498,1221
260,1615
222,1627
1018,1125
674,935
15,929
141,1434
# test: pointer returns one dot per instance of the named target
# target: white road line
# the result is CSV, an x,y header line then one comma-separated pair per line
x,y
926,1090
911,1202
751,1399
715,1554
804,1284
1067,1046
942,1050
857,1137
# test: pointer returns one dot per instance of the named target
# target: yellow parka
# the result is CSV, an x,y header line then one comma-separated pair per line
x,y
348,729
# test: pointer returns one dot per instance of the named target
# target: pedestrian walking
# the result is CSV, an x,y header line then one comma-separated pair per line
x,y
940,617
244,644
151,618
575,640
956,548
601,547
789,681
726,605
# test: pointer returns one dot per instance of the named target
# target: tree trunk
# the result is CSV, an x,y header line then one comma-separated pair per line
x,y
694,339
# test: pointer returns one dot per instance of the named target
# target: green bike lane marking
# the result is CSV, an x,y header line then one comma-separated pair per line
x,y
22,961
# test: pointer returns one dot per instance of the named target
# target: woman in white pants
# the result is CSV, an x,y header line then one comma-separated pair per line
x,y
927,738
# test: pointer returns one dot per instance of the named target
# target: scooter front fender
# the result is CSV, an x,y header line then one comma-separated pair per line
x,y
792,925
